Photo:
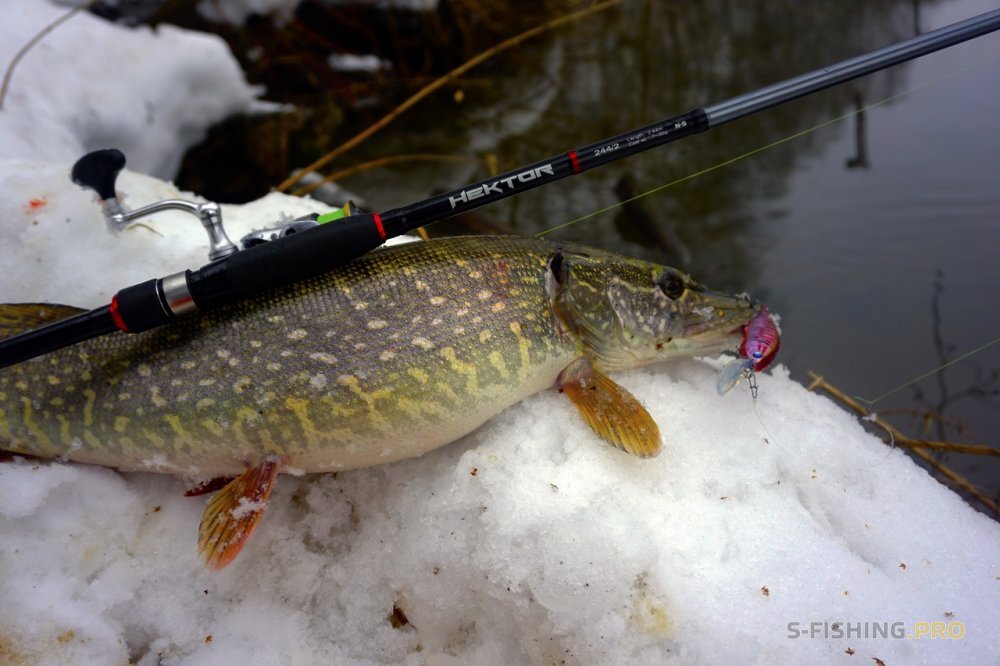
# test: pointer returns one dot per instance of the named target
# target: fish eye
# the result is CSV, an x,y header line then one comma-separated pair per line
x,y
671,285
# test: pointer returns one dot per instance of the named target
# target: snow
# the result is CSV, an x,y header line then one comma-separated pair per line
x,y
528,541
238,11
89,83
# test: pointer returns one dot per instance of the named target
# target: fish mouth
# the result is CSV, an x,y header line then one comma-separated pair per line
x,y
716,321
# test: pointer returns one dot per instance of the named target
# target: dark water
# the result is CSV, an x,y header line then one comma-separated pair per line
x,y
875,238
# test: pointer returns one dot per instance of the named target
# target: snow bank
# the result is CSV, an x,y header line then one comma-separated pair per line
x,y
527,542
238,11
759,529
90,84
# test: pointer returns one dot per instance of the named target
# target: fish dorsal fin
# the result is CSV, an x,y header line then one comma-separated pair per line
x,y
20,317
231,516
612,412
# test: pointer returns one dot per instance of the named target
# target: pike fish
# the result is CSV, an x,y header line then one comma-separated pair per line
x,y
394,354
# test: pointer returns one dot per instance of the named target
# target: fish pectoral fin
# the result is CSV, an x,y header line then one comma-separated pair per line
x,y
612,412
233,513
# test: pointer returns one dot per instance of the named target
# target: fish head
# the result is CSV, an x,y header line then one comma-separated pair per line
x,y
627,313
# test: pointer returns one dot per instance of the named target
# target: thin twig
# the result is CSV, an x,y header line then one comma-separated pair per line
x,y
34,40
381,162
917,446
442,81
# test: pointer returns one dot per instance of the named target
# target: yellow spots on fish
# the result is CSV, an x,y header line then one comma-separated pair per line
x,y
212,427
469,370
387,355
298,334
418,374
459,330
498,306
437,300
475,275
447,391
121,423
144,370
241,384
188,365
276,319
483,294
154,438
423,343
496,360
21,385
206,382
156,398
177,426
64,436
421,285
273,367
4,428
86,375
523,349
318,381
89,438
204,403
461,262
55,402
375,324
462,312
485,335
300,408
323,357
88,407
360,305
477,319
256,344
352,384
28,419
52,380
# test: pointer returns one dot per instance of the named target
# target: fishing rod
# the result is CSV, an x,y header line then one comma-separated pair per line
x,y
311,246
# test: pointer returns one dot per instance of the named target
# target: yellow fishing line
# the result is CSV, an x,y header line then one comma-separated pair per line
x,y
804,132
926,374
761,149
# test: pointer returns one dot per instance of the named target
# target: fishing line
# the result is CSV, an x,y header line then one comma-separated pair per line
x,y
926,374
779,142
768,146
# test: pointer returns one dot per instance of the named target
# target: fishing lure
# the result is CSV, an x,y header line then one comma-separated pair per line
x,y
761,341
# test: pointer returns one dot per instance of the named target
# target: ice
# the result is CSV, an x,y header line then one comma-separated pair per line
x,y
528,541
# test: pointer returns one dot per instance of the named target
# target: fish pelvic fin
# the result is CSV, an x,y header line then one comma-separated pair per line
x,y
614,414
233,513
20,317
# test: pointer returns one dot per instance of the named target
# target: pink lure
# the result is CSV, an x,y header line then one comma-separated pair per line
x,y
761,341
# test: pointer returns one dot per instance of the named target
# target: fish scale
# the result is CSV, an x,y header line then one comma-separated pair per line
x,y
383,359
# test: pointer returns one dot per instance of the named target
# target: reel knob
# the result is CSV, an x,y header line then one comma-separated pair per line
x,y
98,171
